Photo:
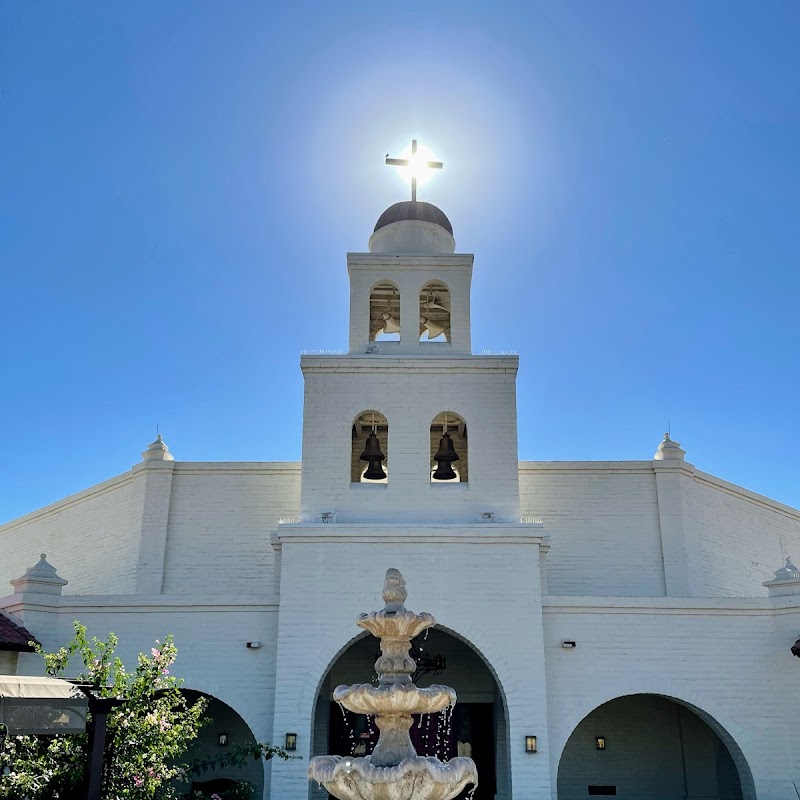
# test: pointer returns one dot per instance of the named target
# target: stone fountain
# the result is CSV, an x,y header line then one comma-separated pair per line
x,y
394,771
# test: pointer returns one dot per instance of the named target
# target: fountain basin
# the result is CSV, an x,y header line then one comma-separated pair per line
x,y
399,625
417,778
405,699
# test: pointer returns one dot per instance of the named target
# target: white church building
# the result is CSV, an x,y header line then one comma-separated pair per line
x,y
635,617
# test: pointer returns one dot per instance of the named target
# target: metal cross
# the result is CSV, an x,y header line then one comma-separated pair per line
x,y
407,162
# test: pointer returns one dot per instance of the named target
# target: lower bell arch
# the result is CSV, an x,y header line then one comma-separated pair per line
x,y
449,451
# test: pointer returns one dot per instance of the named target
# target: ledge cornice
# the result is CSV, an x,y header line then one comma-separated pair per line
x,y
438,364
370,261
680,606
420,533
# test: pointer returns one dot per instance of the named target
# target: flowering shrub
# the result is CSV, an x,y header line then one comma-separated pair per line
x,y
147,736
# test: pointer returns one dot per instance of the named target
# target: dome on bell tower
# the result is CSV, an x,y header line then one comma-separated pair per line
x,y
414,210
413,227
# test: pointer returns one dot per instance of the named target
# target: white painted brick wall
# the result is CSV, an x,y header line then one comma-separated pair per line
x,y
724,657
219,524
8,663
740,536
602,518
91,537
728,658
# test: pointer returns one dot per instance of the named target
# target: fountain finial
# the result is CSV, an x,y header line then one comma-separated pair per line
x,y
394,591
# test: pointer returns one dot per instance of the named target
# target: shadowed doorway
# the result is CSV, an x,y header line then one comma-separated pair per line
x,y
476,727
651,747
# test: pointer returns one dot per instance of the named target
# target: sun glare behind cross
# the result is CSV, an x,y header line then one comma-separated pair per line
x,y
416,165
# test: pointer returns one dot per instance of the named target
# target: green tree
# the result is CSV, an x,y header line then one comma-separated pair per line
x,y
148,736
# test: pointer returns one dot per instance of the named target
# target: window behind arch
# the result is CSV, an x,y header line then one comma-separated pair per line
x,y
364,424
434,312
384,313
454,443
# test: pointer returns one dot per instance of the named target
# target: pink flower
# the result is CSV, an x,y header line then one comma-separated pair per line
x,y
156,653
165,672
137,780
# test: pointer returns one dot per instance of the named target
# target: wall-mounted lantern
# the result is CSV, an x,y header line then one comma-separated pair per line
x,y
531,744
599,742
291,742
223,740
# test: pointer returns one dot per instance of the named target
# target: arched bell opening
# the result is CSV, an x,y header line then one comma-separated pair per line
x,y
648,745
384,313
369,457
448,449
434,312
477,726
225,730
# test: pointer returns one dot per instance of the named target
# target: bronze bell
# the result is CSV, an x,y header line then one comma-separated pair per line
x,y
444,459
373,456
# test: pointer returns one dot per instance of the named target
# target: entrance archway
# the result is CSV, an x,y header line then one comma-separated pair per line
x,y
225,729
654,747
478,727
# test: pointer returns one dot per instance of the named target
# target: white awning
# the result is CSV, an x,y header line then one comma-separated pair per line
x,y
30,704
35,687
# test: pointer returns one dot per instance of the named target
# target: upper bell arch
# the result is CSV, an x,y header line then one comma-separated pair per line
x,y
434,312
384,311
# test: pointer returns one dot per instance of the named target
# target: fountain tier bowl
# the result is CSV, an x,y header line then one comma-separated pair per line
x,y
417,778
386,700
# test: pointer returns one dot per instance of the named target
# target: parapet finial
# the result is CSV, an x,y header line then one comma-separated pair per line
x,y
669,450
41,577
788,571
157,451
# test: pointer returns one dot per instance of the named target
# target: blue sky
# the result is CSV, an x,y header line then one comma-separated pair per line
x,y
181,182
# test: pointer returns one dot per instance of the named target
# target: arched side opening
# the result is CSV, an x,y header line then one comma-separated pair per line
x,y
225,730
449,451
369,455
647,745
477,728
434,312
384,313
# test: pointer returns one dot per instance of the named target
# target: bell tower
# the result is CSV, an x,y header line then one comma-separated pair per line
x,y
409,426
409,448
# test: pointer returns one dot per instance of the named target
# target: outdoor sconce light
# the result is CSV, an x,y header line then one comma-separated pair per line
x,y
253,645
568,644
223,740
531,744
291,742
599,742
